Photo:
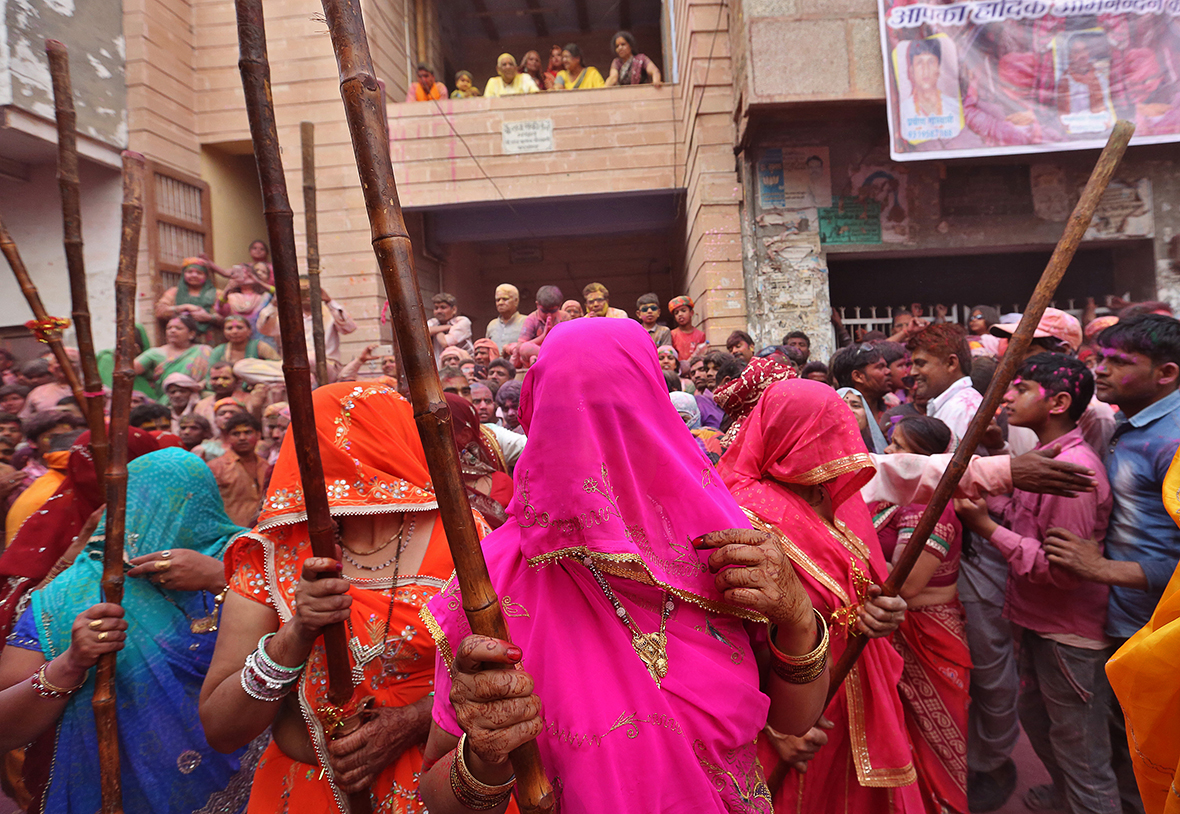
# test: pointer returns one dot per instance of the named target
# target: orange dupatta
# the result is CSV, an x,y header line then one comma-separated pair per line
x,y
1143,674
373,464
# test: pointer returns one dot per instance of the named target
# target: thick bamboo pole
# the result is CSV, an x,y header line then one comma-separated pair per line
x,y
280,226
71,215
105,717
310,219
1075,228
391,243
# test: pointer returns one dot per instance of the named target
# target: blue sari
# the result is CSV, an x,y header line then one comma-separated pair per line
x,y
166,764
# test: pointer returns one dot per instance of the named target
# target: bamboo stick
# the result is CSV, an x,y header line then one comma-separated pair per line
x,y
105,716
46,328
71,215
391,243
255,69
307,142
1075,228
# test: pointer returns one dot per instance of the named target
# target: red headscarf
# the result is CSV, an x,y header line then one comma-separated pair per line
x,y
738,396
46,535
801,432
478,458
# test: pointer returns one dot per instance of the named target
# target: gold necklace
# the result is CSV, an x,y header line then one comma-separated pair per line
x,y
652,648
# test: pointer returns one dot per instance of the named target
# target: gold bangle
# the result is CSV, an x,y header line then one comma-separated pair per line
x,y
47,689
469,790
806,668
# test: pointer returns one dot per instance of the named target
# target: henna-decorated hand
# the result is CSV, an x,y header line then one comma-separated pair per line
x,y
359,757
752,571
880,615
494,703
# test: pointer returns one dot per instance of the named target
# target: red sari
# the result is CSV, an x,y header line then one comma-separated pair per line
x,y
933,642
802,433
373,464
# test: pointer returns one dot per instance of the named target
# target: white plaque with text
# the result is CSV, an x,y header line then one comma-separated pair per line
x,y
535,136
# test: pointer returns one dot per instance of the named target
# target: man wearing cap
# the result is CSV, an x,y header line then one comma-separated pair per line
x,y
336,322
505,328
1060,332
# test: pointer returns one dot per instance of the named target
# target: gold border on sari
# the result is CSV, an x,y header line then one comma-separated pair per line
x,y
436,633
865,773
711,605
836,468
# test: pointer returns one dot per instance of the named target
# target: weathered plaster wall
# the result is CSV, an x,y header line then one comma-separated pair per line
x,y
93,32
36,227
945,209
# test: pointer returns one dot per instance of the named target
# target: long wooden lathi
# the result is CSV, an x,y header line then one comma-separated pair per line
x,y
71,215
122,379
1075,228
391,243
255,69
29,289
310,220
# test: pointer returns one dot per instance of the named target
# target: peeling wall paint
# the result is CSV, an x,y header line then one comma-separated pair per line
x,y
94,34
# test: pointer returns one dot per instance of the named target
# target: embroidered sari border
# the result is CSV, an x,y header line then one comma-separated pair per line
x,y
865,773
712,605
836,468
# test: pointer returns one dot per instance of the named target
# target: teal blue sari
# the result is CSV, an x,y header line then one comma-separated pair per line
x,y
167,766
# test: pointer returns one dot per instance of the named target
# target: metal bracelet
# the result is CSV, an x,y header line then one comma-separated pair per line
x,y
470,791
47,689
806,668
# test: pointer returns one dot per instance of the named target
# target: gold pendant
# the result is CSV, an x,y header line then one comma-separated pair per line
x,y
206,624
652,648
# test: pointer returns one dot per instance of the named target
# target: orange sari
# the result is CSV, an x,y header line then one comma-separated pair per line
x,y
373,464
1143,674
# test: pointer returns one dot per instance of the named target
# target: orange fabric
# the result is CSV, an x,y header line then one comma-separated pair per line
x,y
1143,674
403,674
373,464
372,457
39,491
422,96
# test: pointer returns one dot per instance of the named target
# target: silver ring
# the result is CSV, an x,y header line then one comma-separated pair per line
x,y
165,554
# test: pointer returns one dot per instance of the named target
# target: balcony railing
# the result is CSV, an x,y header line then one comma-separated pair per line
x,y
539,145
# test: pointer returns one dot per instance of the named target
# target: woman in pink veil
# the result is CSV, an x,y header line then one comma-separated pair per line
x,y
632,639
797,466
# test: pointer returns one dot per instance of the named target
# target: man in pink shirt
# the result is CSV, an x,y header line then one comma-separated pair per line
x,y
1059,618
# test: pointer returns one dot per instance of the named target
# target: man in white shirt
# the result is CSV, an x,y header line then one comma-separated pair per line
x,y
942,370
447,329
337,322
505,328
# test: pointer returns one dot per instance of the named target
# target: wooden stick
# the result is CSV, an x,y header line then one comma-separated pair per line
x,y
1075,228
391,243
51,337
71,216
122,379
307,142
255,69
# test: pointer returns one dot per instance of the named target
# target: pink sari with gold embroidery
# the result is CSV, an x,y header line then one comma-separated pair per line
x,y
802,433
611,474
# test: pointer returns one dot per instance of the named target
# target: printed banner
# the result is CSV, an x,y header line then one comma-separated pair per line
x,y
995,77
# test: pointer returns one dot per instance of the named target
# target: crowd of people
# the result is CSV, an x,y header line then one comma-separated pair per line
x,y
683,540
565,70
